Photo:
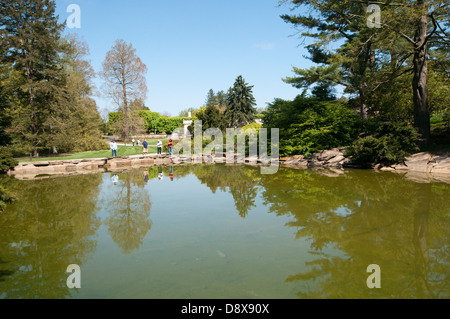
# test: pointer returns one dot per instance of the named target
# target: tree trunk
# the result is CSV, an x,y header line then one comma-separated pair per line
x,y
125,113
420,79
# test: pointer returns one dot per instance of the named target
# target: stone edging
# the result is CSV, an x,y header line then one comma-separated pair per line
x,y
424,162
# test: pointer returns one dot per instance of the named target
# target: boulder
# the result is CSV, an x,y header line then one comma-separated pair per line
x,y
419,162
442,166
326,155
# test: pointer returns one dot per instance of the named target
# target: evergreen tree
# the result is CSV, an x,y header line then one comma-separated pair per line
x,y
372,56
30,46
211,98
211,118
240,104
221,99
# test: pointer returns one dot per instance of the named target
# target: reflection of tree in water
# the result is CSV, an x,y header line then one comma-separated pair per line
x,y
241,181
129,209
366,218
42,233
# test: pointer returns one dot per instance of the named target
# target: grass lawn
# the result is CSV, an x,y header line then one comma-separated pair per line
x,y
121,151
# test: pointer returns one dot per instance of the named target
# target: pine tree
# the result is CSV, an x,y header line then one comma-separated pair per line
x,y
211,98
30,45
373,55
211,118
240,104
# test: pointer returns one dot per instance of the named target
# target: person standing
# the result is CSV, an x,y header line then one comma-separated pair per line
x,y
134,141
113,146
144,147
159,146
170,144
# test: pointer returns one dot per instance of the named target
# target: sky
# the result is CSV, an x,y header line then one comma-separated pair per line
x,y
192,46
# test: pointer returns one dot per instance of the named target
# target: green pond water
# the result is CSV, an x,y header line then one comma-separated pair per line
x,y
226,232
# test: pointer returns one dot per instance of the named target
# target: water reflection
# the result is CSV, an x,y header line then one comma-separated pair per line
x,y
49,228
349,221
128,206
369,218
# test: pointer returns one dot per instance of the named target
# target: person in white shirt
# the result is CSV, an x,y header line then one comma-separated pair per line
x,y
113,146
159,146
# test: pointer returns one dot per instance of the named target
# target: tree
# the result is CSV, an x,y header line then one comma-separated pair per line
x,y
124,76
75,121
240,104
211,118
185,113
371,56
211,98
30,46
221,97
308,125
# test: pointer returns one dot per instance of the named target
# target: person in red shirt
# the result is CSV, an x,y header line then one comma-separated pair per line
x,y
170,144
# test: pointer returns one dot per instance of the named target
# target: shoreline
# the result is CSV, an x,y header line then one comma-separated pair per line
x,y
422,167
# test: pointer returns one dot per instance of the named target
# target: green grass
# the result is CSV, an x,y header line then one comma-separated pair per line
x,y
121,151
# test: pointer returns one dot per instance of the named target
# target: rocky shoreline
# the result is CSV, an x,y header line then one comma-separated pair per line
x,y
423,166
31,170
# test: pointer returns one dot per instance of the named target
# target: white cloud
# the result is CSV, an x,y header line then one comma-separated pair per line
x,y
264,46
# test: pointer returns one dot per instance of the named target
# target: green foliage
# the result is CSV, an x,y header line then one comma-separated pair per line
x,y
169,124
240,104
7,161
308,125
154,122
254,126
211,118
384,143
373,63
115,117
46,83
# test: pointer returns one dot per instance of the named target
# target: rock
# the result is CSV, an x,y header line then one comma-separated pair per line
x,y
336,159
326,155
400,167
442,166
419,162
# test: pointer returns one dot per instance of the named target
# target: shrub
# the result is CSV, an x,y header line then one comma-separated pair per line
x,y
7,161
384,143
308,125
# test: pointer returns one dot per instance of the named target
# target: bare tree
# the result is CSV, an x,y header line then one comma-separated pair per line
x,y
124,76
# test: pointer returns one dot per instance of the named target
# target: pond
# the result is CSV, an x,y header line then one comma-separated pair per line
x,y
228,232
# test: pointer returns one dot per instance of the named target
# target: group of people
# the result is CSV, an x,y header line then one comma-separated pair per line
x,y
159,146
134,141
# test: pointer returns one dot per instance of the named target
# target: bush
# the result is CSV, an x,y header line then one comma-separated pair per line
x,y
385,143
308,125
7,161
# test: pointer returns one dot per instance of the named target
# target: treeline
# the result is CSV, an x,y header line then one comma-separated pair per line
x,y
45,84
236,108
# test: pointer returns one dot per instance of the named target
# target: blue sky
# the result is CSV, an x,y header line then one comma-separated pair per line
x,y
191,46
